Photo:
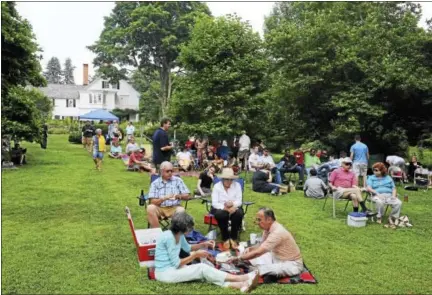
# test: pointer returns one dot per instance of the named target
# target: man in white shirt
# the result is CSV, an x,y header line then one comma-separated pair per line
x,y
244,148
130,129
254,160
131,145
226,204
266,158
185,159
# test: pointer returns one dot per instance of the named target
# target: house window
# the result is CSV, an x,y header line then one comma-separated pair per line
x,y
100,97
57,117
104,98
90,98
115,86
67,103
74,103
116,99
53,102
105,84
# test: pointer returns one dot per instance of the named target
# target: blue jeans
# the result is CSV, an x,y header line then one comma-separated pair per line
x,y
281,171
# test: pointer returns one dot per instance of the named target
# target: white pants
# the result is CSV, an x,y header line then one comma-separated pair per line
x,y
387,199
192,272
269,264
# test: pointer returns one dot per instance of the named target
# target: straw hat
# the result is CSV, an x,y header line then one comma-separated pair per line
x,y
227,173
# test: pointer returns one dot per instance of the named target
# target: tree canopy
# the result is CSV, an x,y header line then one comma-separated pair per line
x,y
23,110
146,37
341,68
224,66
54,73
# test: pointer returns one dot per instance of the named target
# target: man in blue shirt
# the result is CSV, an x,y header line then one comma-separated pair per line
x,y
360,157
161,146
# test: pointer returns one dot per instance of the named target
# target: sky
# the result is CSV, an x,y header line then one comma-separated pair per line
x,y
64,29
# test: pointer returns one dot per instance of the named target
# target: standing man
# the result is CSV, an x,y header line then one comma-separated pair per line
x,y
161,146
130,130
244,148
44,136
88,132
98,148
360,157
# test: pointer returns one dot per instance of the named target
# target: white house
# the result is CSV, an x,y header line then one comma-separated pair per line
x,y
76,100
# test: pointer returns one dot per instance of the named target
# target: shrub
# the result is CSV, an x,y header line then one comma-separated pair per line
x,y
58,130
75,137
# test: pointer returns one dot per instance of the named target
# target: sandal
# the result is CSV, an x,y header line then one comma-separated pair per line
x,y
379,220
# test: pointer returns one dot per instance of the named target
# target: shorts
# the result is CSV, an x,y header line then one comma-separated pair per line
x,y
97,154
360,169
167,212
87,140
243,154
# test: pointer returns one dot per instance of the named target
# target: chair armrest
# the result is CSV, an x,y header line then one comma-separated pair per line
x,y
247,204
207,202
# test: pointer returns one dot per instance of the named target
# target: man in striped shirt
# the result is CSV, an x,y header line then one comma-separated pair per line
x,y
165,195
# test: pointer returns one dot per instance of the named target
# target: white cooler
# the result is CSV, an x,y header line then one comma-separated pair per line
x,y
356,219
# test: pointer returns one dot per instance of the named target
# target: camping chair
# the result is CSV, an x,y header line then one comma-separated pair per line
x,y
421,178
373,204
211,220
330,195
144,200
396,174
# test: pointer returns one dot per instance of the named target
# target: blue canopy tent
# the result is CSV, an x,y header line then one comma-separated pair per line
x,y
99,115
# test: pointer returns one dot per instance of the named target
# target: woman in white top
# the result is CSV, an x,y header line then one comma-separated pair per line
x,y
131,146
226,204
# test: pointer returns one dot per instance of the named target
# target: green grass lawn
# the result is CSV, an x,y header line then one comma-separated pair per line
x,y
64,231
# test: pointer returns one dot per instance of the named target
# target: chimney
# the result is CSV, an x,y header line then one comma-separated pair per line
x,y
85,74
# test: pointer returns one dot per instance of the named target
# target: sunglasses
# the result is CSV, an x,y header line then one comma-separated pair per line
x,y
376,170
348,164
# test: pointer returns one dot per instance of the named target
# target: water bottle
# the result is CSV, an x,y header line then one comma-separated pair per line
x,y
406,198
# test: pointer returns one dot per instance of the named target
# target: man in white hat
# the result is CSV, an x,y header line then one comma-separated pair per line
x,y
343,183
226,204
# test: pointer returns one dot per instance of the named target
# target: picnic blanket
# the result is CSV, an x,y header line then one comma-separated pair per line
x,y
305,277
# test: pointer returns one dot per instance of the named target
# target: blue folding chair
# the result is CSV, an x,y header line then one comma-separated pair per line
x,y
209,218
144,200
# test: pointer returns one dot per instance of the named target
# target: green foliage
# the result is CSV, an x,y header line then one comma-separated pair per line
x,y
146,36
53,73
123,114
341,68
225,65
75,137
68,77
23,110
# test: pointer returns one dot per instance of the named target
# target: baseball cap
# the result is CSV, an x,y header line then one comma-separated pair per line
x,y
347,160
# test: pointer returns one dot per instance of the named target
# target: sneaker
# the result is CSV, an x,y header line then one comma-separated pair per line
x,y
369,213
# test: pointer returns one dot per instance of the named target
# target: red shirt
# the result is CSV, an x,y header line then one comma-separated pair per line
x,y
299,156
189,144
342,178
132,158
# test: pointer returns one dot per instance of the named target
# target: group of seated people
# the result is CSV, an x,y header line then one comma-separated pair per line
x,y
277,254
136,156
343,185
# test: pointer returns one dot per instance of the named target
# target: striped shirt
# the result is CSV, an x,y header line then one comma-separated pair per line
x,y
160,188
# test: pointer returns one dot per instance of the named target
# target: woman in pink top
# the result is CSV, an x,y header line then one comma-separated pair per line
x,y
343,184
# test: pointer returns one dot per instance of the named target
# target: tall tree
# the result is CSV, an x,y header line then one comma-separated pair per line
x,y
23,110
146,36
53,73
68,76
351,67
224,70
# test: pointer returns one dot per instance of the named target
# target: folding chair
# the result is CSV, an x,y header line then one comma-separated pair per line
x,y
330,195
373,204
144,200
396,174
211,220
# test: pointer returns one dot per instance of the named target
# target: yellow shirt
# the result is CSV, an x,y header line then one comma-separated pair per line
x,y
101,143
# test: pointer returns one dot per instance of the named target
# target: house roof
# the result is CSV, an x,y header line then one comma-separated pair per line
x,y
64,91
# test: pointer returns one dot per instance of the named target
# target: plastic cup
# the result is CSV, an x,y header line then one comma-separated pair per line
x,y
253,239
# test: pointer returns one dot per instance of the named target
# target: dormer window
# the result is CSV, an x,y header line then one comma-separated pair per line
x,y
105,85
115,86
